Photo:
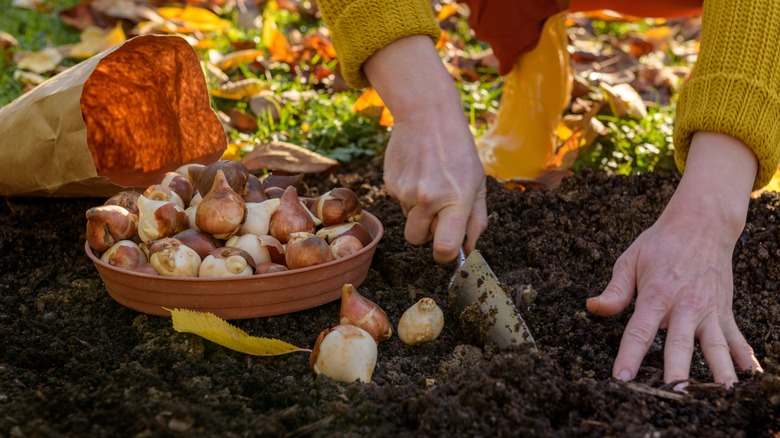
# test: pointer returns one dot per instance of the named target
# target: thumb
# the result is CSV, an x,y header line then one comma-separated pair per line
x,y
618,293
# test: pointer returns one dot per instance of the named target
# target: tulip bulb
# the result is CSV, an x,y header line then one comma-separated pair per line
x,y
421,323
126,199
108,224
255,192
338,206
345,246
201,242
290,217
125,254
355,229
147,269
181,185
306,249
235,174
258,216
171,258
159,218
222,212
263,249
159,192
197,198
227,262
359,311
344,353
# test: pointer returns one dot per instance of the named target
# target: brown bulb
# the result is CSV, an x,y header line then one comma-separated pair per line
x,y
364,313
222,211
290,217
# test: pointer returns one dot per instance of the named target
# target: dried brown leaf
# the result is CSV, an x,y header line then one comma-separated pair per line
x,y
288,157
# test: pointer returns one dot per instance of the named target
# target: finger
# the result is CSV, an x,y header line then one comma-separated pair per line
x,y
618,293
716,350
637,337
418,225
449,233
478,223
678,349
741,351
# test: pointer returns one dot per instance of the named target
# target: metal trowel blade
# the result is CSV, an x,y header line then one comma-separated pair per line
x,y
475,288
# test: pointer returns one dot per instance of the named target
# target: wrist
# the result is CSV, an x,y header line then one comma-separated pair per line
x,y
411,79
718,179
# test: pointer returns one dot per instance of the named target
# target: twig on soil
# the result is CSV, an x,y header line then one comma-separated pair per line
x,y
656,392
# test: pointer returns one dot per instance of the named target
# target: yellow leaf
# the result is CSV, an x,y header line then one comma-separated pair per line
x,y
239,90
275,41
369,98
40,62
237,58
217,330
95,40
447,11
386,119
194,18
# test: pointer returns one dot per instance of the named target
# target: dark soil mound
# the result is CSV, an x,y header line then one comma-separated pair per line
x,y
75,363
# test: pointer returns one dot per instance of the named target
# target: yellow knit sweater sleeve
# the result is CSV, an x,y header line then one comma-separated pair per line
x,y
735,85
361,27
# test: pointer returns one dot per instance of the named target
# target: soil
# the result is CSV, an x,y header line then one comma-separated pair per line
x,y
75,363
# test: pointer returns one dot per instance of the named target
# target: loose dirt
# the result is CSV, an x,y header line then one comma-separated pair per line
x,y
75,363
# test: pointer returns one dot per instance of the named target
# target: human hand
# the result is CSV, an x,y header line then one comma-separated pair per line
x,y
681,269
431,163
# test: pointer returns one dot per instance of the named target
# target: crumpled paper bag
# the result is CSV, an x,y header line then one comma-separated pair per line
x,y
118,120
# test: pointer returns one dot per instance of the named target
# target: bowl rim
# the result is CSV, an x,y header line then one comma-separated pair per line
x,y
366,217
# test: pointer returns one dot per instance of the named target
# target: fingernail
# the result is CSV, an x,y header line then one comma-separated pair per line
x,y
624,375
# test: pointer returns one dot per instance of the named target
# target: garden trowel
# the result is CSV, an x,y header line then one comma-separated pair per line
x,y
483,305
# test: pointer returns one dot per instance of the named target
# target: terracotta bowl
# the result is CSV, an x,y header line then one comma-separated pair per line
x,y
244,297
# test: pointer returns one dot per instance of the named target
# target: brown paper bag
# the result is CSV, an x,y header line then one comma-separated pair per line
x,y
120,119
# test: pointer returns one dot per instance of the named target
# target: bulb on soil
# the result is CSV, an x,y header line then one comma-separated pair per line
x,y
420,323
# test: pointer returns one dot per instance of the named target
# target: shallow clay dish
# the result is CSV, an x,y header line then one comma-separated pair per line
x,y
244,297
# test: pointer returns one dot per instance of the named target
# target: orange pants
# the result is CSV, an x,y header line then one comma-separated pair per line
x,y
512,27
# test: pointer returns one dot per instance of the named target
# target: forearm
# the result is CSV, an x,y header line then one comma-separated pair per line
x,y
412,80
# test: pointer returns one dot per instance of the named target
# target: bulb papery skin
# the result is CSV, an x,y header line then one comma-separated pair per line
x,y
344,353
227,262
184,169
258,217
108,224
252,245
344,246
290,217
125,254
234,172
159,192
196,199
192,212
181,185
420,323
222,212
126,199
255,192
359,311
171,258
158,219
338,206
355,229
201,242
306,249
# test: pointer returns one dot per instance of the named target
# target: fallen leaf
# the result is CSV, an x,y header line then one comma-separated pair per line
x,y
624,101
7,45
287,157
192,18
39,62
28,79
240,120
95,40
239,90
274,40
235,59
217,330
35,5
447,11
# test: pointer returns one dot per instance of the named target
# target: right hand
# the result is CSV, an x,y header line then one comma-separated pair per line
x,y
431,163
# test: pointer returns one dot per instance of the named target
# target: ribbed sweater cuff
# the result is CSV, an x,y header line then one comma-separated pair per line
x,y
365,26
735,106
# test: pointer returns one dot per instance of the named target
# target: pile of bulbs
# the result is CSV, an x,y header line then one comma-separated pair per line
x,y
222,221
348,351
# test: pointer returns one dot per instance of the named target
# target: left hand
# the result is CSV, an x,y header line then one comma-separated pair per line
x,y
681,269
